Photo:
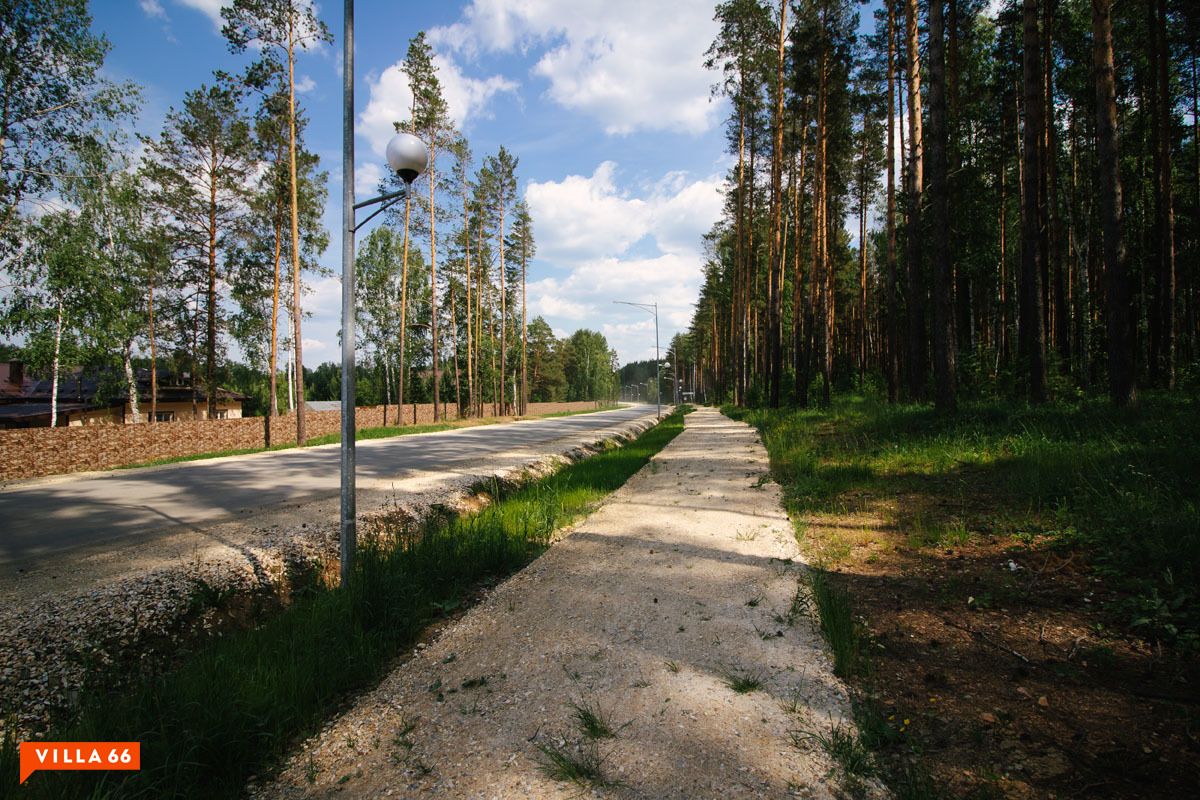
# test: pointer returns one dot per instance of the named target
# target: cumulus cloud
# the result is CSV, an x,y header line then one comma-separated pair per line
x,y
580,218
153,9
305,84
624,62
209,8
367,176
599,236
391,99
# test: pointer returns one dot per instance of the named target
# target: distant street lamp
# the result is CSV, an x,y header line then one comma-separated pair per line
x,y
653,309
408,157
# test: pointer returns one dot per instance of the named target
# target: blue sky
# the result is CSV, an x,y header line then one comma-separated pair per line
x,y
605,102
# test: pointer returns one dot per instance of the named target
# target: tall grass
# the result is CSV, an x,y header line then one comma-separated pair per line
x,y
1123,484
237,705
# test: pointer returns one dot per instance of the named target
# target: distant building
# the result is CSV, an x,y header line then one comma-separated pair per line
x,y
25,401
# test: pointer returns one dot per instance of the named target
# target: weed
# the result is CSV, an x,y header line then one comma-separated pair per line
x,y
746,536
205,596
672,667
581,766
310,770
955,534
593,721
767,636
754,602
791,704
741,681
841,630
843,745
407,726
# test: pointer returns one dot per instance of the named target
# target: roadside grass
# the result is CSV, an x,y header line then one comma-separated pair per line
x,y
236,705
610,407
363,434
1109,494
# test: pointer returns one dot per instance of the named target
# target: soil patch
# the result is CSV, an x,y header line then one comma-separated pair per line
x,y
993,655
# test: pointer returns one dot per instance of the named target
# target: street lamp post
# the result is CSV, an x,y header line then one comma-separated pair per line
x,y
408,157
653,309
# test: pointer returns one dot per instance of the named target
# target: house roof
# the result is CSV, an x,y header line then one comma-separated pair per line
x,y
79,387
11,390
15,412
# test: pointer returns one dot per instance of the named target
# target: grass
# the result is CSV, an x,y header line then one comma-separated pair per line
x,y
836,618
741,681
1118,490
237,704
844,745
1122,485
609,407
580,766
593,721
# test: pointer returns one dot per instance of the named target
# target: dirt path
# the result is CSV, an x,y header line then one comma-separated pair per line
x,y
683,580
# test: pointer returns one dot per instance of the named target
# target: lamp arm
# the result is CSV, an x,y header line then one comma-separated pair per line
x,y
391,199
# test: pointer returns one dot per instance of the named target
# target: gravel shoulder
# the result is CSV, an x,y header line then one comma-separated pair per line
x,y
683,578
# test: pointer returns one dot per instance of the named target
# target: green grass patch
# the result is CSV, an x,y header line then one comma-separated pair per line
x,y
576,413
239,702
835,615
1122,485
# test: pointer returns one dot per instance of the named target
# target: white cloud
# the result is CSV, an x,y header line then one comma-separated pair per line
x,y
391,99
210,9
153,9
601,237
366,179
580,218
305,84
324,297
624,62
316,347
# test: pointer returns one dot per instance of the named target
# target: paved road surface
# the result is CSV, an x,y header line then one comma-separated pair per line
x,y
40,521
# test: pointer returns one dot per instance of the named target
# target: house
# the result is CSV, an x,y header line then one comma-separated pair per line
x,y
25,401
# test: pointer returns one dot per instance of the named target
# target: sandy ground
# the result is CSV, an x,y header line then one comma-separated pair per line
x,y
683,578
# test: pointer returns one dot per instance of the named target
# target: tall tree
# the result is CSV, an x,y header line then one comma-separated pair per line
x,y
282,27
503,169
775,328
431,121
944,344
523,248
1033,325
916,282
1122,385
200,166
892,366
53,100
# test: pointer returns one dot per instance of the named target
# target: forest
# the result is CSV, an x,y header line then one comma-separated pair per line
x,y
196,249
954,289
955,203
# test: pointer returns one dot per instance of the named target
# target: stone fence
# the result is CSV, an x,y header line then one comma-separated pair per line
x,y
36,452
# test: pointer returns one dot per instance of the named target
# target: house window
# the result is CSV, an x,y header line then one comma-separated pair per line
x,y
222,414
164,416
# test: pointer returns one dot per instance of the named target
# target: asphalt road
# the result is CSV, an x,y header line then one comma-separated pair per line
x,y
46,520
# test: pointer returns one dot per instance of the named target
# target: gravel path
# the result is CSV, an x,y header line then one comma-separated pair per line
x,y
643,612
